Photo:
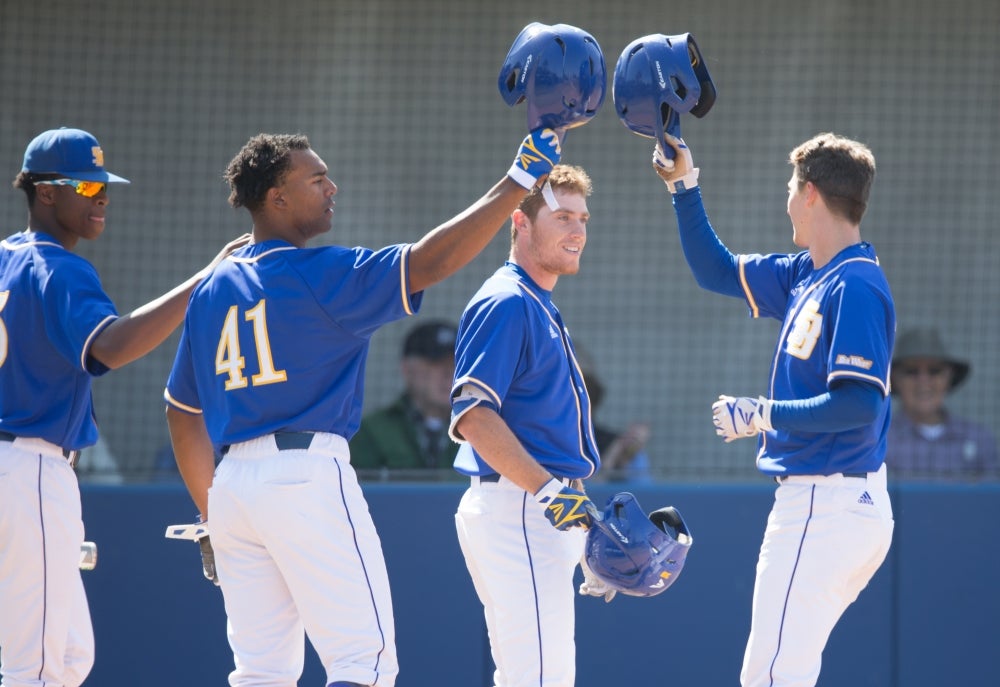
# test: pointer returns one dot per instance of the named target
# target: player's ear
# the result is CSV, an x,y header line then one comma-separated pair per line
x,y
276,197
45,194
519,219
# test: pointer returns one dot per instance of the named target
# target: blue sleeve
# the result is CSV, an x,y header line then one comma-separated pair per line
x,y
847,405
713,265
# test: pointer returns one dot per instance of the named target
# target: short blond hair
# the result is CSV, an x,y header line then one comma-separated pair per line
x,y
562,178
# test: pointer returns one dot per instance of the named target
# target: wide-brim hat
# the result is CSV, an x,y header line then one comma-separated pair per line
x,y
69,153
926,343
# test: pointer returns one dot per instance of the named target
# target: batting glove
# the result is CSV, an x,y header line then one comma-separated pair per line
x,y
593,585
538,154
565,507
737,418
679,174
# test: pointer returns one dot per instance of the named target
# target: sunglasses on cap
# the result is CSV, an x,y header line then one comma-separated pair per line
x,y
88,189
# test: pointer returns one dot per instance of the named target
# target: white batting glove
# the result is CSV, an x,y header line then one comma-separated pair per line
x,y
539,153
679,173
738,418
592,585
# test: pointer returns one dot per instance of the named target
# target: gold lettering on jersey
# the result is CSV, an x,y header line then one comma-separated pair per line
x,y
854,361
805,331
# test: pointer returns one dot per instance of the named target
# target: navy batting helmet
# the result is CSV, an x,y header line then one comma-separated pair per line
x,y
657,79
635,554
559,71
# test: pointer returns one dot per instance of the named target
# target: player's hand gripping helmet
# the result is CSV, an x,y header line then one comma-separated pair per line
x,y
635,554
657,79
559,71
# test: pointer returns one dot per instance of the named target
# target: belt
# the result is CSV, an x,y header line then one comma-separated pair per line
x,y
288,441
859,475
495,477
70,455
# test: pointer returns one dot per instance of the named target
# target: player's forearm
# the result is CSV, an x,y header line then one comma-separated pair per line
x,y
846,406
500,448
132,336
194,455
452,245
713,265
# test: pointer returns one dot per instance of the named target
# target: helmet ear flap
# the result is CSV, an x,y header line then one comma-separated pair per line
x,y
708,92
670,522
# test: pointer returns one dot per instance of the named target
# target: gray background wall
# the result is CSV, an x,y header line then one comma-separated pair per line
x,y
400,99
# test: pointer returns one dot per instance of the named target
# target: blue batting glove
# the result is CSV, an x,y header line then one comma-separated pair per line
x,y
565,507
539,153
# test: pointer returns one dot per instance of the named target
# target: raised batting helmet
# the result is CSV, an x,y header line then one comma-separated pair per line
x,y
559,71
657,79
636,554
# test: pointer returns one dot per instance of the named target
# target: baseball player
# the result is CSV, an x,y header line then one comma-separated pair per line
x,y
269,373
58,330
822,424
521,410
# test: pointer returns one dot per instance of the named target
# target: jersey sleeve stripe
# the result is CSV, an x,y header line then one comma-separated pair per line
x,y
404,280
746,288
180,406
479,384
90,339
840,374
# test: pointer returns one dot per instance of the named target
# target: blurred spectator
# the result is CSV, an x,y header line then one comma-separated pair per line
x,y
412,432
925,439
623,454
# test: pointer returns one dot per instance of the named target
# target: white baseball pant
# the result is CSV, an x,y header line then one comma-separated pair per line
x,y
826,537
297,552
45,626
522,568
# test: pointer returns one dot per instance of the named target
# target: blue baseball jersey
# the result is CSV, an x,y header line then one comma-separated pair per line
x,y
276,338
513,346
838,323
52,307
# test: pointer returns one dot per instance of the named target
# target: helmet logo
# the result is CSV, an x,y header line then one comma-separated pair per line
x,y
659,75
98,156
527,65
621,536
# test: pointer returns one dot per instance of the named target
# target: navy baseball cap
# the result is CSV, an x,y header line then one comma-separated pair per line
x,y
70,153
434,340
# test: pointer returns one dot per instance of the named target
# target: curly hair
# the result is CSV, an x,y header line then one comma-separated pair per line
x,y
260,166
841,169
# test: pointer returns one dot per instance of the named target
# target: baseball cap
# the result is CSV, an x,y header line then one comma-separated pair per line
x,y
70,153
433,340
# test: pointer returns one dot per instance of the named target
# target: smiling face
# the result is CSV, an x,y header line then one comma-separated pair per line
x,y
922,385
550,245
68,216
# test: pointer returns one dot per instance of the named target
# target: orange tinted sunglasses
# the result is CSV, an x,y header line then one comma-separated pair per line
x,y
84,188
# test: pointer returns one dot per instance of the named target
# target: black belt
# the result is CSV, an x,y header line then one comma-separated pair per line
x,y
782,478
68,454
287,441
